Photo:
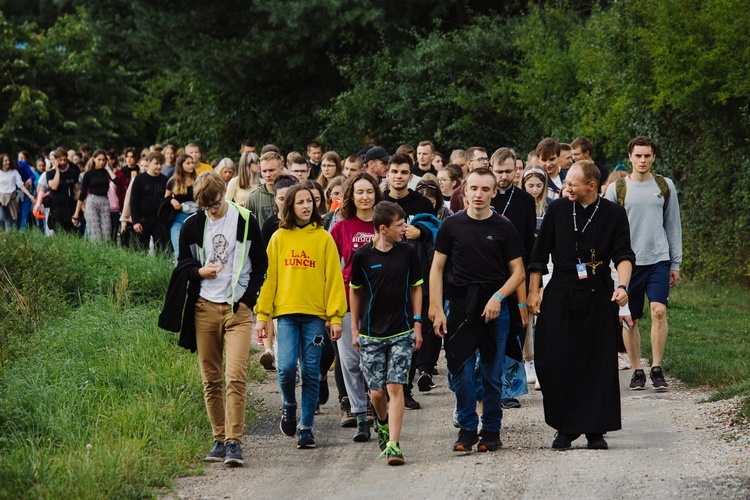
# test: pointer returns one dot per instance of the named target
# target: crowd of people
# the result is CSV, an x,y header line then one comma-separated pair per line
x,y
370,265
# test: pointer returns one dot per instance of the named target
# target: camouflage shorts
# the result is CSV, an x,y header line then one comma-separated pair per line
x,y
386,361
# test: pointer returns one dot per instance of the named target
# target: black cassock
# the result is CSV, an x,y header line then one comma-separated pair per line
x,y
575,349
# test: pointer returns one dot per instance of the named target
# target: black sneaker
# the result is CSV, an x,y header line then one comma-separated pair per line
x,y
511,403
363,431
217,453
347,417
306,439
657,378
288,423
563,441
323,392
410,403
490,441
466,439
233,454
638,382
596,442
424,382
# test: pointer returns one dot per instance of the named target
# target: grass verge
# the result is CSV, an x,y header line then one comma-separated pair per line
x,y
709,338
95,400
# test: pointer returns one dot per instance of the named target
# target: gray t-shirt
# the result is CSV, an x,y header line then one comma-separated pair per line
x,y
655,234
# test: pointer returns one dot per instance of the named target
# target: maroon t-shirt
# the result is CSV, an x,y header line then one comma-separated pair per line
x,y
349,235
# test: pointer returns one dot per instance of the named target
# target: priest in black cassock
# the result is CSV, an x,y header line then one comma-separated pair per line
x,y
576,341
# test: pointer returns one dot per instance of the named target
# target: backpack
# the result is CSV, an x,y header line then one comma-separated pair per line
x,y
621,189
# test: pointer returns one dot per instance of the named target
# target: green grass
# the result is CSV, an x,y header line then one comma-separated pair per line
x,y
709,338
95,400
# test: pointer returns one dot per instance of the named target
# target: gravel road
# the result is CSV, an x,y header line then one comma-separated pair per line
x,y
672,445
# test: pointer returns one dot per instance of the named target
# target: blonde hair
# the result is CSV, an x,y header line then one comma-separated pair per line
x,y
207,187
225,163
246,178
532,170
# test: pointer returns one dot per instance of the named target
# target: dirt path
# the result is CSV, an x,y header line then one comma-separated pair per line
x,y
670,446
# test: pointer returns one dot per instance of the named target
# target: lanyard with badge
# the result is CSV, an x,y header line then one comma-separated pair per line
x,y
581,267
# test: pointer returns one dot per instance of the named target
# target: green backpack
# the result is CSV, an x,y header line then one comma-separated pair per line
x,y
621,189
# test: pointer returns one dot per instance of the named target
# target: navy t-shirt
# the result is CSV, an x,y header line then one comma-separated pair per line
x,y
478,251
385,279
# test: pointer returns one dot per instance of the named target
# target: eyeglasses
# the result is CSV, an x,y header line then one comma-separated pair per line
x,y
483,159
328,165
214,205
505,172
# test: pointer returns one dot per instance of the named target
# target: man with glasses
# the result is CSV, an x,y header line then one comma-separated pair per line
x,y
519,207
477,157
222,262
300,168
260,202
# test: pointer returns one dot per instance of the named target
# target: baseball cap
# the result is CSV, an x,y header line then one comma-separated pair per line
x,y
377,153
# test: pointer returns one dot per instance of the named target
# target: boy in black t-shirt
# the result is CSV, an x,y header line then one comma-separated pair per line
x,y
384,329
481,255
146,195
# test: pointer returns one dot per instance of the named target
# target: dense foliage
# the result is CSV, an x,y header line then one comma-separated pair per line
x,y
462,73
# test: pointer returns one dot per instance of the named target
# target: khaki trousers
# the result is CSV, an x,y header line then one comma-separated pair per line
x,y
216,329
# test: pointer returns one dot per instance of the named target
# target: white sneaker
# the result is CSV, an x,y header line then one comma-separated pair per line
x,y
530,372
623,362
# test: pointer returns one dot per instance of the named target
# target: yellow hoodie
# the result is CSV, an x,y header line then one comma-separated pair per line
x,y
304,276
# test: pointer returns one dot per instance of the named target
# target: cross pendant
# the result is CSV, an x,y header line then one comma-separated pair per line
x,y
594,263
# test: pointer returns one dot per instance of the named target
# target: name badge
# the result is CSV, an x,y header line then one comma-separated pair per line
x,y
581,270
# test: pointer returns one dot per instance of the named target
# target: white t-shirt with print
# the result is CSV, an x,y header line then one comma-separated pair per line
x,y
219,242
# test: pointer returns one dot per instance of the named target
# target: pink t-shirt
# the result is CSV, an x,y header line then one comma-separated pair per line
x,y
349,235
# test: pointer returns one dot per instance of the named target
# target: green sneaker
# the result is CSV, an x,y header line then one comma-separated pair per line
x,y
383,435
393,455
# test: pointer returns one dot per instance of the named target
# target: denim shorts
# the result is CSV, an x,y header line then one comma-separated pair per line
x,y
651,281
386,360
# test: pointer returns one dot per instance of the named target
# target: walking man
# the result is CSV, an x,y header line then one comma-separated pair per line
x,y
222,262
650,201
576,339
485,266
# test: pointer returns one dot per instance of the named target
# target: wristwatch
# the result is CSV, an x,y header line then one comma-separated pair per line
x,y
626,288
417,319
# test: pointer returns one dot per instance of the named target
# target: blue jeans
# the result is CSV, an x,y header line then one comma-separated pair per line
x,y
492,378
174,231
300,337
26,207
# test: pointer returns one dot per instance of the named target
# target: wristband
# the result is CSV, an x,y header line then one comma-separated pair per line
x,y
522,305
418,318
498,296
